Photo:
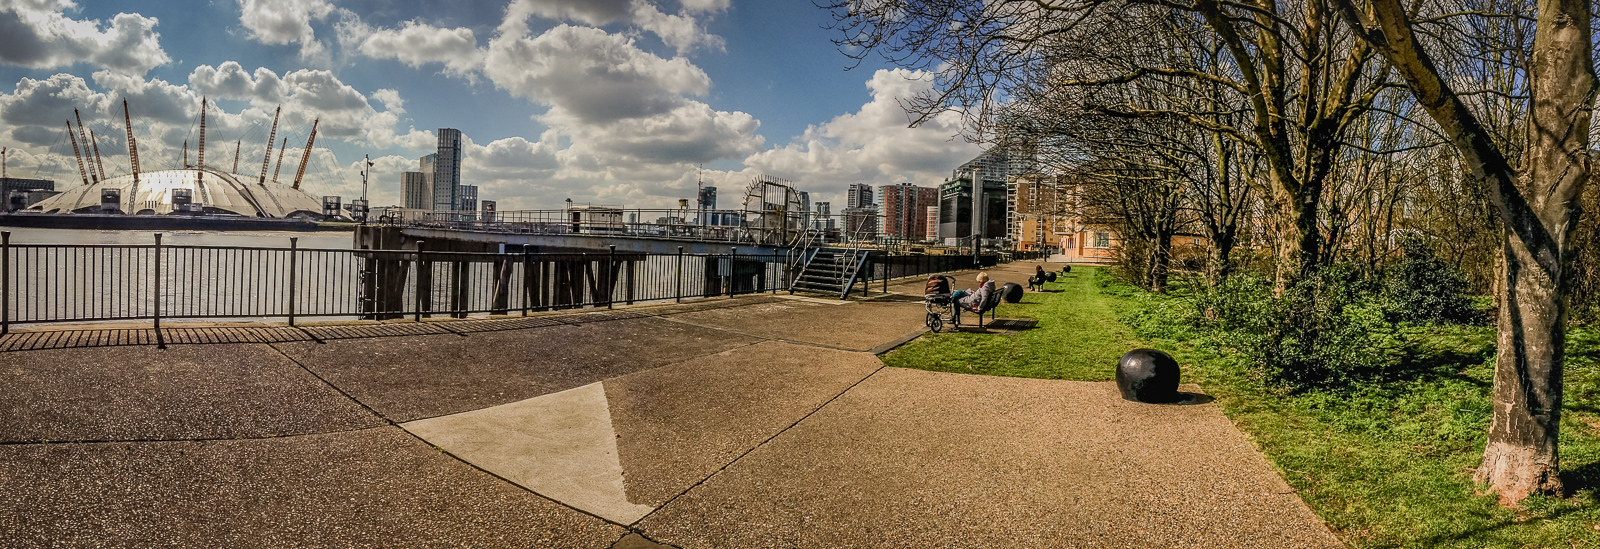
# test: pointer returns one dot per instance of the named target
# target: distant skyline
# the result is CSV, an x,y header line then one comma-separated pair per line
x,y
604,101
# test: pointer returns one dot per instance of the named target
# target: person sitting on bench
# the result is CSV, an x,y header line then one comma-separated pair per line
x,y
974,301
1036,282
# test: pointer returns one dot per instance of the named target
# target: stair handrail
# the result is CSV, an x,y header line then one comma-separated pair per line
x,y
800,252
801,272
844,293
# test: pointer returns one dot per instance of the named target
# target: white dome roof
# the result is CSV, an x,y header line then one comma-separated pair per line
x,y
216,191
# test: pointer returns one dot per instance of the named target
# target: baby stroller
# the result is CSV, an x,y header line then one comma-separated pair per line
x,y
941,306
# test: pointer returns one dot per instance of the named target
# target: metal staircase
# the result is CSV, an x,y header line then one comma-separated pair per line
x,y
830,271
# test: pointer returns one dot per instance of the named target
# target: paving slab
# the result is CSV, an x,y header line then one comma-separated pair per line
x,y
857,326
145,393
925,459
560,445
678,424
373,488
418,377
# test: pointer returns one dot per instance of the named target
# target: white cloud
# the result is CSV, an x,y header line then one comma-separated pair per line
x,y
593,12
230,81
874,144
279,22
38,35
417,44
692,133
681,32
390,99
704,5
591,74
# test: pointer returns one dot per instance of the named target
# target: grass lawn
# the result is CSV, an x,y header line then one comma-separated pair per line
x,y
1078,337
1386,463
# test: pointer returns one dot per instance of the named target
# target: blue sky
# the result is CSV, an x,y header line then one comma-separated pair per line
x,y
606,101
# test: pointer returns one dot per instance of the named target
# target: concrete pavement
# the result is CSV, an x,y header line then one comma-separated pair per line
x,y
758,421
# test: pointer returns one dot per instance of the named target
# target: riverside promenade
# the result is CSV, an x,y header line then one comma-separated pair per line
x,y
755,421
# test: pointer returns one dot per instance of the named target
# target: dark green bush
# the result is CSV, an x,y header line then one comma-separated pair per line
x,y
1421,288
1324,332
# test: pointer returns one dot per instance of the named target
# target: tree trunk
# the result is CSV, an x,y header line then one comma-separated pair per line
x,y
1298,241
1160,262
1539,209
1221,261
1523,455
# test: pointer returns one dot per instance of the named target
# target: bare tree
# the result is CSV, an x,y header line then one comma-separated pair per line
x,y
1293,64
1537,201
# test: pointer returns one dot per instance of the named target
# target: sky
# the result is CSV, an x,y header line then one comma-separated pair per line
x,y
617,102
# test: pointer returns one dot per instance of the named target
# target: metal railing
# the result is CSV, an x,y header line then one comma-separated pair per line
x,y
43,283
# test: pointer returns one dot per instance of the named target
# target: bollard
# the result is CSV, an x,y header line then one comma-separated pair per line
x,y
1148,375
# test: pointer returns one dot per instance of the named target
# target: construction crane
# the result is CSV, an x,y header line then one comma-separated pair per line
x,y
85,140
133,147
267,158
306,156
75,154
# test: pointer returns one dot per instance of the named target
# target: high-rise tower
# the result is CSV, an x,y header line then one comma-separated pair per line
x,y
447,172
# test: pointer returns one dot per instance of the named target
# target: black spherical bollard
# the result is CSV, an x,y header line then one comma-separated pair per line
x,y
1050,277
1148,375
1011,292
1066,268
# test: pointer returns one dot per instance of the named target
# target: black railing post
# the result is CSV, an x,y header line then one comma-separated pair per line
x,y
527,281
769,268
161,342
294,243
733,270
611,276
421,287
886,265
680,274
5,282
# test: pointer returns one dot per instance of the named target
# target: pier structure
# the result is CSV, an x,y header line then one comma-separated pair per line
x,y
552,271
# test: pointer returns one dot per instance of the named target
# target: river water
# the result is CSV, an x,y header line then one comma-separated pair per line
x,y
266,239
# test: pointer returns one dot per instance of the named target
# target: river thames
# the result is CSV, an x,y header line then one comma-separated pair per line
x,y
267,239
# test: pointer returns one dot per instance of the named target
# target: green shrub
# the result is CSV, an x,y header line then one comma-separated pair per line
x,y
1325,331
1422,288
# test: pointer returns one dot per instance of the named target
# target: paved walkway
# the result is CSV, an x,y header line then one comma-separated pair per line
x,y
760,421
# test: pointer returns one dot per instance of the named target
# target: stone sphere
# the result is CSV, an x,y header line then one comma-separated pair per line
x,y
1066,268
1047,276
1148,375
1011,292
